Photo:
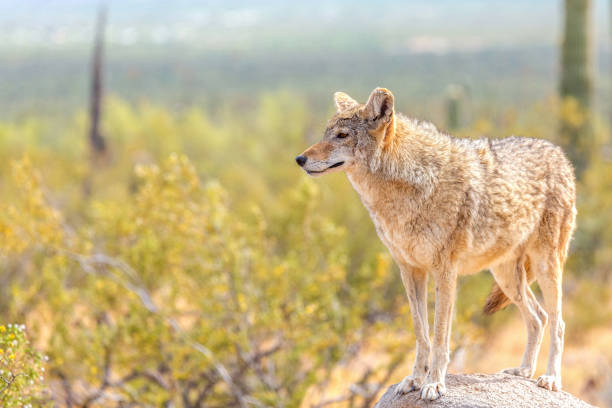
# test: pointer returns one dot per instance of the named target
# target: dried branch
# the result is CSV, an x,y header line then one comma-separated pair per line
x,y
8,383
362,388
105,379
69,396
253,361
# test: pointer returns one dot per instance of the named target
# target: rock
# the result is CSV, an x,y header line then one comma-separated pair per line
x,y
483,391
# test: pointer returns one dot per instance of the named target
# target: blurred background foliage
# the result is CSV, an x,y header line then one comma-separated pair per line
x,y
189,263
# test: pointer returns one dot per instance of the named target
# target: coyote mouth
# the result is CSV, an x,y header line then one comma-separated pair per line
x,y
324,170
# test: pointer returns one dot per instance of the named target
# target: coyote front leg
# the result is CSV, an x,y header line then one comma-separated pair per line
x,y
415,283
446,282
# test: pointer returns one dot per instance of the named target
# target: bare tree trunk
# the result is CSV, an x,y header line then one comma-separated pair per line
x,y
96,140
576,83
97,144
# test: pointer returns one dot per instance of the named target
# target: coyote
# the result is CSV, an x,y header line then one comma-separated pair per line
x,y
445,206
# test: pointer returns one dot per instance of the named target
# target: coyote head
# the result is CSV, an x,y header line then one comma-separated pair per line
x,y
352,133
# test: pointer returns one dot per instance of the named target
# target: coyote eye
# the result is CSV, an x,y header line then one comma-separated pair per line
x,y
342,135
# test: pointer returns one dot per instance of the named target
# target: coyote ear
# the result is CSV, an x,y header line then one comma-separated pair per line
x,y
343,101
379,105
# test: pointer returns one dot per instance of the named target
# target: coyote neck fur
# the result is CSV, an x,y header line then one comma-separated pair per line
x,y
420,187
416,151
415,162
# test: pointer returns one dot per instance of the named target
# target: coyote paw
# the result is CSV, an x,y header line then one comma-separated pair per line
x,y
408,384
432,391
550,382
520,371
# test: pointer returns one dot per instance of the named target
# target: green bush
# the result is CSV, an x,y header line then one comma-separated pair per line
x,y
21,369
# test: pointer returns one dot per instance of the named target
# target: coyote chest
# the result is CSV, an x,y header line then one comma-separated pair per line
x,y
399,225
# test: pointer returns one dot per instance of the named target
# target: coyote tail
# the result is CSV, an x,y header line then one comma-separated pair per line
x,y
497,299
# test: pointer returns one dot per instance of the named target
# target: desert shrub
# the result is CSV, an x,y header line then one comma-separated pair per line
x,y
21,369
166,295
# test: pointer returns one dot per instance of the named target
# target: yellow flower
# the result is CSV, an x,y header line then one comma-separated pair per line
x,y
12,357
11,336
2,329
1,352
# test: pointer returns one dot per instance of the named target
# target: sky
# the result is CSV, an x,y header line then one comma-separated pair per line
x,y
436,26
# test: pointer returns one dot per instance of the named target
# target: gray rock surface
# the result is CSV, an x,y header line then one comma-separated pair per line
x,y
481,391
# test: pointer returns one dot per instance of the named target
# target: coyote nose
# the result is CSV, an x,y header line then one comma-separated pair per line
x,y
301,160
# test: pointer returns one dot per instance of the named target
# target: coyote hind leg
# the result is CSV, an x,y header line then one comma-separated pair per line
x,y
548,274
551,253
512,279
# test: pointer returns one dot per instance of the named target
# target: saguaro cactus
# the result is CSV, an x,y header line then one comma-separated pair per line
x,y
576,82
454,98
